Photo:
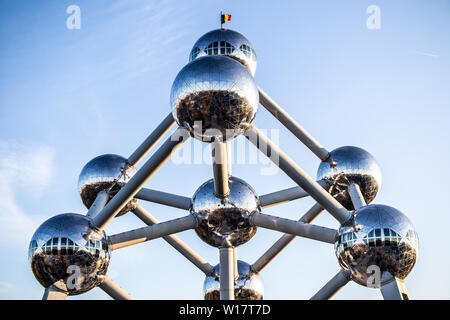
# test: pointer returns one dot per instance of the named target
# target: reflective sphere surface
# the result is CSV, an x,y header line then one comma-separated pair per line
x,y
219,219
247,287
214,97
353,165
379,236
63,244
226,43
105,172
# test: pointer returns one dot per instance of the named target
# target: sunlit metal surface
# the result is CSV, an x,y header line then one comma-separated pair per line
x,y
379,236
105,172
247,287
214,97
353,165
228,43
228,218
63,243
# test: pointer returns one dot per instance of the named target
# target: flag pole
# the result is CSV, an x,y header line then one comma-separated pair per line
x,y
221,23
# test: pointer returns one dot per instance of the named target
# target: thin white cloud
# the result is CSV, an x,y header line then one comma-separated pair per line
x,y
428,54
25,171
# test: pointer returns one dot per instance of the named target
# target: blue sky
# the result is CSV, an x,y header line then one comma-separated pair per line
x,y
67,96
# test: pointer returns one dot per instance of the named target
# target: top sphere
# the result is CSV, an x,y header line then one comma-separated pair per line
x,y
215,98
66,245
353,165
105,172
378,236
226,43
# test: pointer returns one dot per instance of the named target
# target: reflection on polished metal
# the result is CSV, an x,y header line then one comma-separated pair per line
x,y
228,43
225,218
352,165
108,172
214,97
65,245
248,285
378,236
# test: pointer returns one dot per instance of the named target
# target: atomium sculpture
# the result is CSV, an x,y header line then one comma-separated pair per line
x,y
214,98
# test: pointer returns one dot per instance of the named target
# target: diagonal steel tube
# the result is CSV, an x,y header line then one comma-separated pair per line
x,y
297,174
129,190
356,196
284,241
99,203
114,290
281,115
151,140
220,169
333,286
168,199
162,229
297,228
175,242
286,195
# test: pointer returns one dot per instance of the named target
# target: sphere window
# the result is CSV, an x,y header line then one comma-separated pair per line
x,y
248,51
195,53
215,48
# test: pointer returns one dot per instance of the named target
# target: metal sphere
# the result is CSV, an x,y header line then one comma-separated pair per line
x,y
228,43
228,218
105,172
247,287
352,165
63,244
214,97
380,236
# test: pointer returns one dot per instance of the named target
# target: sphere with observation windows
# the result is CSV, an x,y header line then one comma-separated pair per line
x,y
66,249
215,98
350,165
106,172
228,43
229,218
377,239
248,285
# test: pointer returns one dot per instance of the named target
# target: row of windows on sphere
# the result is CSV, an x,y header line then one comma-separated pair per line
x,y
65,246
223,47
377,238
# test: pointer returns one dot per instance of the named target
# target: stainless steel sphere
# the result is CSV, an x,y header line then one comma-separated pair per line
x,y
380,236
64,243
229,218
226,43
247,287
352,165
105,172
214,97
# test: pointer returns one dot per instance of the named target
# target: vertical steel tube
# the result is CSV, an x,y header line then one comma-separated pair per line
x,y
226,273
129,190
297,174
113,290
393,290
220,168
151,140
293,126
284,241
229,169
56,291
332,286
355,194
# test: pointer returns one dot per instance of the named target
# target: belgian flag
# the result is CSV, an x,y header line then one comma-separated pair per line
x,y
225,18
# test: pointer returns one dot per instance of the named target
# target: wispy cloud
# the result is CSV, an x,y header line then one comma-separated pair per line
x,y
428,54
26,169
